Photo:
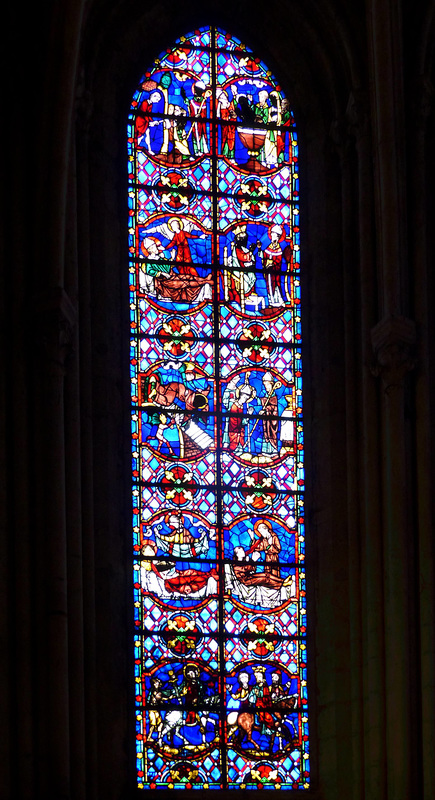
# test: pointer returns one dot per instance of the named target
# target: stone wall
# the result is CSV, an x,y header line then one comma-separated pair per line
x,y
360,78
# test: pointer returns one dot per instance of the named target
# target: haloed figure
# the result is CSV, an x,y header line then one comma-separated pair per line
x,y
267,541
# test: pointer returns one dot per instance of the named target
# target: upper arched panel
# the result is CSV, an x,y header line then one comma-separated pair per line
x,y
209,73
214,159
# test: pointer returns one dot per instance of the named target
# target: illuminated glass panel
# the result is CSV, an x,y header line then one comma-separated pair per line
x,y
218,474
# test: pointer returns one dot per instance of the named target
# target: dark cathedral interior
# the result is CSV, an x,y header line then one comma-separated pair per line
x,y
360,77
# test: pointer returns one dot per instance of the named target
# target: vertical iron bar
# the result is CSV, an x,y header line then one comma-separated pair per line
x,y
219,520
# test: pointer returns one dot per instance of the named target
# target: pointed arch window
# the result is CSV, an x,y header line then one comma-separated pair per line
x,y
218,473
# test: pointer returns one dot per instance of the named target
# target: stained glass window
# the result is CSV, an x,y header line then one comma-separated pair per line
x,y
216,387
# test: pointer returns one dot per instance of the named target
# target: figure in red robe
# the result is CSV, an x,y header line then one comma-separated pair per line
x,y
267,541
188,581
144,121
227,111
236,423
261,693
198,110
272,264
240,281
179,231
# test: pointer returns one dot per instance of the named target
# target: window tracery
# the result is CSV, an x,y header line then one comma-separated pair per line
x,y
218,474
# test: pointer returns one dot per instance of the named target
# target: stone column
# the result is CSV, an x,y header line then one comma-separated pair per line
x,y
393,339
55,317
393,342
84,114
422,94
387,107
352,750
74,511
370,669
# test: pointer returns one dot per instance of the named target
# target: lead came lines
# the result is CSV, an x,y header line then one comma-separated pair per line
x,y
216,312
220,591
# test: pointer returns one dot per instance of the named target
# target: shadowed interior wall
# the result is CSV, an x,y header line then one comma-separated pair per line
x,y
360,79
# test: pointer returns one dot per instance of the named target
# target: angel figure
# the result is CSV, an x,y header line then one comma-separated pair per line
x,y
178,231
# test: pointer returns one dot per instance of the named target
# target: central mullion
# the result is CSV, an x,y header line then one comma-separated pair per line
x,y
216,336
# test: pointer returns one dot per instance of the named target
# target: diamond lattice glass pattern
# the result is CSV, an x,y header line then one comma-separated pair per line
x,y
217,435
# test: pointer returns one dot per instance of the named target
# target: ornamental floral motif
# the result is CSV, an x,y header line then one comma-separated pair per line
x,y
258,490
178,485
176,337
253,197
174,190
182,634
256,343
259,638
